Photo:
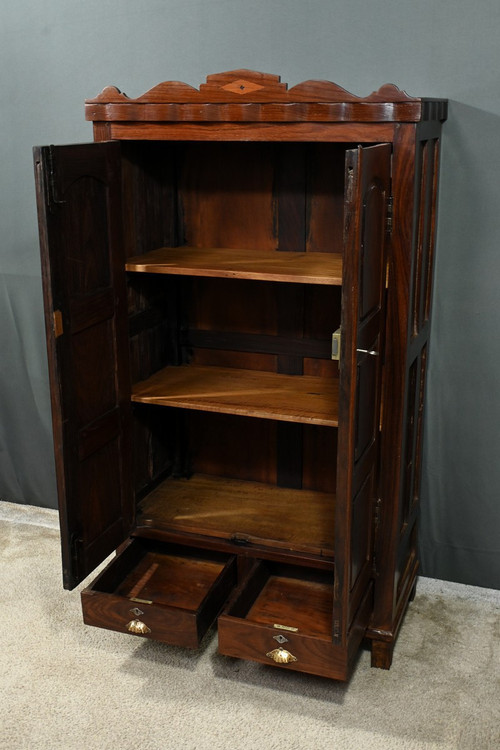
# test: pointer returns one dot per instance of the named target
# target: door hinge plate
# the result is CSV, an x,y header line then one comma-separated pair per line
x,y
376,526
52,192
389,215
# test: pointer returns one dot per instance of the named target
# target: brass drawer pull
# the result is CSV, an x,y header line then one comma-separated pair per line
x,y
281,656
138,627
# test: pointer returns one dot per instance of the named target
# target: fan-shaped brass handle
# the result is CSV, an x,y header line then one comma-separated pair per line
x,y
138,627
281,656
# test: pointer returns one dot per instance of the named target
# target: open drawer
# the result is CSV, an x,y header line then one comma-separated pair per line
x,y
165,592
283,615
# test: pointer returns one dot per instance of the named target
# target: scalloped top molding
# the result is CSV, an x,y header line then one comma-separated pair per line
x,y
251,86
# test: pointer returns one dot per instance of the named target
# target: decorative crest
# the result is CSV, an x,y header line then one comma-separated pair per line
x,y
247,96
251,86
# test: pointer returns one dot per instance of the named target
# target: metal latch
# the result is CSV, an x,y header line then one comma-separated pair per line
x,y
58,323
336,345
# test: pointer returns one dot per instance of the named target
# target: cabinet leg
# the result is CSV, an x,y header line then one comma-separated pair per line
x,y
382,654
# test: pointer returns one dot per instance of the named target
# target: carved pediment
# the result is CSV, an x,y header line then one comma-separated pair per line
x,y
251,86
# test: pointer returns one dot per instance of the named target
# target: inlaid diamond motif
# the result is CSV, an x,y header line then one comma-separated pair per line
x,y
242,87
280,638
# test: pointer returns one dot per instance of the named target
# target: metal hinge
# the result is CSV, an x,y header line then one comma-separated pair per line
x,y
75,543
52,195
376,526
390,209
336,629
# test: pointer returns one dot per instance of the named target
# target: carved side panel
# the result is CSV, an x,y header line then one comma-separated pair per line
x,y
414,436
426,187
422,271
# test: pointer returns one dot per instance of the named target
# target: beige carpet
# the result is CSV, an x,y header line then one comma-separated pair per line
x,y
65,685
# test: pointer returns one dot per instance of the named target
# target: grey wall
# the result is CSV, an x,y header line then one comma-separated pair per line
x,y
55,53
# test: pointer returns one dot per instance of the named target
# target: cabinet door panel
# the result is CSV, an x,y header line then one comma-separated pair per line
x,y
363,291
79,208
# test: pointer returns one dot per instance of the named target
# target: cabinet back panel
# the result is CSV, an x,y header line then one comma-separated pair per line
x,y
233,305
259,450
262,196
270,326
235,447
226,196
325,169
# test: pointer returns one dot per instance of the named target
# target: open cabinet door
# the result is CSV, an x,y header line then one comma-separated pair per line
x,y
367,189
79,210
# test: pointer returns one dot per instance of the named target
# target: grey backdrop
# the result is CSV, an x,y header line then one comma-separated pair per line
x,y
55,53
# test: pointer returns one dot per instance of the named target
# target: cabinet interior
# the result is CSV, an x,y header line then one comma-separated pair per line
x,y
234,289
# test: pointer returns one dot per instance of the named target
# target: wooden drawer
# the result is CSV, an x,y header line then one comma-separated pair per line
x,y
283,616
164,592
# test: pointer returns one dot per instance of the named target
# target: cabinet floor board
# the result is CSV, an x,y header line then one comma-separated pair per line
x,y
300,520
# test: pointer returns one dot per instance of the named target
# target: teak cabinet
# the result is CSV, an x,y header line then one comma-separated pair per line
x,y
237,287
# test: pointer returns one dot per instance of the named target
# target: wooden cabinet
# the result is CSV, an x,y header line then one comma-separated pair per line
x,y
237,287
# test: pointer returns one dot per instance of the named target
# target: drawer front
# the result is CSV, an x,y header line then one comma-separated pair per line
x,y
165,624
283,616
295,651
160,592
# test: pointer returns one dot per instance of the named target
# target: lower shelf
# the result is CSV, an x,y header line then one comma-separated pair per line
x,y
245,512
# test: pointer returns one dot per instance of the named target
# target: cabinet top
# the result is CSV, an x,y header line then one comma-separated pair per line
x,y
250,96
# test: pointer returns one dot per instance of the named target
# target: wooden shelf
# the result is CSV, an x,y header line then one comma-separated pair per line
x,y
300,268
252,512
253,393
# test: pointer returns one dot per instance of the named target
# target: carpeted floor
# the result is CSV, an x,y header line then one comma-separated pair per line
x,y
70,687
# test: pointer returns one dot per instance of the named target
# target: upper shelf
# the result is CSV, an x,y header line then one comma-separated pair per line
x,y
250,393
240,96
300,268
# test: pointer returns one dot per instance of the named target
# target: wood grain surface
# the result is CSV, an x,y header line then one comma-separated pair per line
x,y
287,398
253,512
302,268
